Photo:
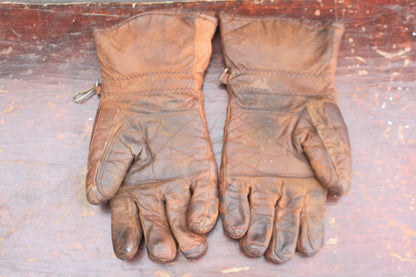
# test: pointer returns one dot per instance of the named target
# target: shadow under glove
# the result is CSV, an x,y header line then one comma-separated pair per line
x,y
150,151
285,142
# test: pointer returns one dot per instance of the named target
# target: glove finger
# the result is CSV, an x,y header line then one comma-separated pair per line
x,y
161,246
192,245
311,234
203,208
286,226
262,209
234,208
329,151
110,156
126,231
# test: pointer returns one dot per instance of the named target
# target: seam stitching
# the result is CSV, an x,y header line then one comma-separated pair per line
x,y
280,72
328,92
149,75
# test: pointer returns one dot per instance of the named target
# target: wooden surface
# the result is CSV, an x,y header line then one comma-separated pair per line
x,y
47,228
141,2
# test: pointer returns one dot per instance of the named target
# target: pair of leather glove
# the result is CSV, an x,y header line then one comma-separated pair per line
x,y
285,143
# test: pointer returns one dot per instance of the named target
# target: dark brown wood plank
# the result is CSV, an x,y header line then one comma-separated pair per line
x,y
48,229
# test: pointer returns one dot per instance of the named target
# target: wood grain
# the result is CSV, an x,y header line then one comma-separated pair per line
x,y
48,229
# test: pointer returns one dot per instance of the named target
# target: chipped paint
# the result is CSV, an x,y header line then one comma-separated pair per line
x,y
361,59
7,51
400,134
358,174
235,269
391,56
409,232
362,72
10,108
405,107
160,273
332,241
13,229
7,234
62,217
87,128
403,259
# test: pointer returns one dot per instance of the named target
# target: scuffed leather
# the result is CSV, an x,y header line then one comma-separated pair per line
x,y
150,151
286,144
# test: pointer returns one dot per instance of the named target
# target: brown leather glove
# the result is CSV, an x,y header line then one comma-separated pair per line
x,y
285,143
150,151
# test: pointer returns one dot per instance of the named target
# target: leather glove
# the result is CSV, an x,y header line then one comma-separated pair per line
x,y
150,151
285,144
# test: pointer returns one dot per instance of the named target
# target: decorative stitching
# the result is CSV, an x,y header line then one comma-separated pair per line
x,y
265,175
159,114
280,72
148,75
329,92
180,90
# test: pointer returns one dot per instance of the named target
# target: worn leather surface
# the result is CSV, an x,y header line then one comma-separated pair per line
x,y
150,152
286,144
